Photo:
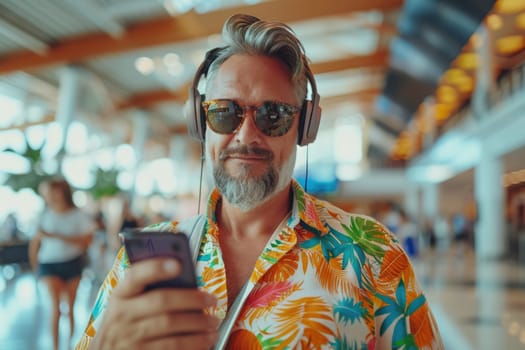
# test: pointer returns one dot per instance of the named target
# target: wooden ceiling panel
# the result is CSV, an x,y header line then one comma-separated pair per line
x,y
181,28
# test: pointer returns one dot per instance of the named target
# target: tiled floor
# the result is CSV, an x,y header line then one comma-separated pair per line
x,y
477,305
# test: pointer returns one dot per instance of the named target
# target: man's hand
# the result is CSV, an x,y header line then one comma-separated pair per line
x,y
158,319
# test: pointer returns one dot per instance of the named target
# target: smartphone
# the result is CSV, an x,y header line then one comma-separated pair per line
x,y
142,245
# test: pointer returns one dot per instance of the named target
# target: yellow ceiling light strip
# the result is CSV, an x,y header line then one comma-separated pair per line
x,y
494,21
509,6
447,94
520,21
468,60
509,45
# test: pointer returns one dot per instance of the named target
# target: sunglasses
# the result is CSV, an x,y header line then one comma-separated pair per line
x,y
225,116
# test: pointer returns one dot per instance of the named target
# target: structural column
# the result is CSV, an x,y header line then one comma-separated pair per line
x,y
412,202
490,235
140,134
431,201
67,104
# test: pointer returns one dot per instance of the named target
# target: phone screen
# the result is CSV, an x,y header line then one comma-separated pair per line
x,y
142,245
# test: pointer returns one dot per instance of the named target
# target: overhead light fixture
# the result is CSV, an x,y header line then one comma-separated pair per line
x,y
476,41
509,45
494,21
171,59
468,60
466,85
447,94
145,65
178,7
509,6
520,21
442,111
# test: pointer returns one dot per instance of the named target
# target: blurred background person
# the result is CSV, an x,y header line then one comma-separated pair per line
x,y
58,249
408,234
460,230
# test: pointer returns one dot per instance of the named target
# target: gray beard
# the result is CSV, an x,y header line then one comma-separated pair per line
x,y
246,191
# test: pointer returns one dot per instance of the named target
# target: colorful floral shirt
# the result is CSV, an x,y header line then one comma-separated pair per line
x,y
327,280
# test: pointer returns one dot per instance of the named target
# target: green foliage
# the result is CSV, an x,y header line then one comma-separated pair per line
x,y
36,174
105,183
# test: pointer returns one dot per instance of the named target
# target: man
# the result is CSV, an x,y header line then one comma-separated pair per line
x,y
277,268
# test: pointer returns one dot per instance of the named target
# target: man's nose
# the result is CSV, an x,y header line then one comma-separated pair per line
x,y
248,132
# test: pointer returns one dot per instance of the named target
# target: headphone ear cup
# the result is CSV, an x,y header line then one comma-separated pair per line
x,y
195,119
302,122
309,121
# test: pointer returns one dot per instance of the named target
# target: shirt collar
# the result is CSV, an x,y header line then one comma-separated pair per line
x,y
303,209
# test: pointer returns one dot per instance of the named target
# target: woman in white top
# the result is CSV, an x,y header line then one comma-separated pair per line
x,y
58,248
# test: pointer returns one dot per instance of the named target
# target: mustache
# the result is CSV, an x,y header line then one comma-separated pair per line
x,y
246,151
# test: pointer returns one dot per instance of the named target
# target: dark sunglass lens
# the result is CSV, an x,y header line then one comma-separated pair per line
x,y
274,119
222,117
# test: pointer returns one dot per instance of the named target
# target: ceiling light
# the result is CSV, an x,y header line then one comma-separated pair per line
x,y
468,60
494,21
520,21
476,41
144,65
509,6
511,44
177,7
460,79
171,59
453,75
447,94
466,85
442,111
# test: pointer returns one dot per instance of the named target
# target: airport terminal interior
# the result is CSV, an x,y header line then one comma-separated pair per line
x,y
422,128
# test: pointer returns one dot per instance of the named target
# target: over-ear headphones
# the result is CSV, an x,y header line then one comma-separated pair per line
x,y
310,115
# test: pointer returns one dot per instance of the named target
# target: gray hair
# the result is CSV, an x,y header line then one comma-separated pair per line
x,y
245,34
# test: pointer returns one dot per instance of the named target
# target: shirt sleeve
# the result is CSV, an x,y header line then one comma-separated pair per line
x,y
401,311
113,277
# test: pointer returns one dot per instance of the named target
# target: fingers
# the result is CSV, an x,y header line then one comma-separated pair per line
x,y
166,300
173,324
145,272
189,341
163,318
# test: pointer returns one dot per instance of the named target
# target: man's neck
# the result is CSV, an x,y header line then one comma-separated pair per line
x,y
261,220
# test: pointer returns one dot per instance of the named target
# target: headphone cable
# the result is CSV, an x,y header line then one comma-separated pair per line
x,y
306,171
200,179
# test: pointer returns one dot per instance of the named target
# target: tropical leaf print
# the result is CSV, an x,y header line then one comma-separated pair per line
x,y
333,280
398,310
336,244
333,214
265,297
302,323
369,235
271,254
243,340
395,265
214,281
284,270
299,196
344,344
310,215
349,310
423,326
367,295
